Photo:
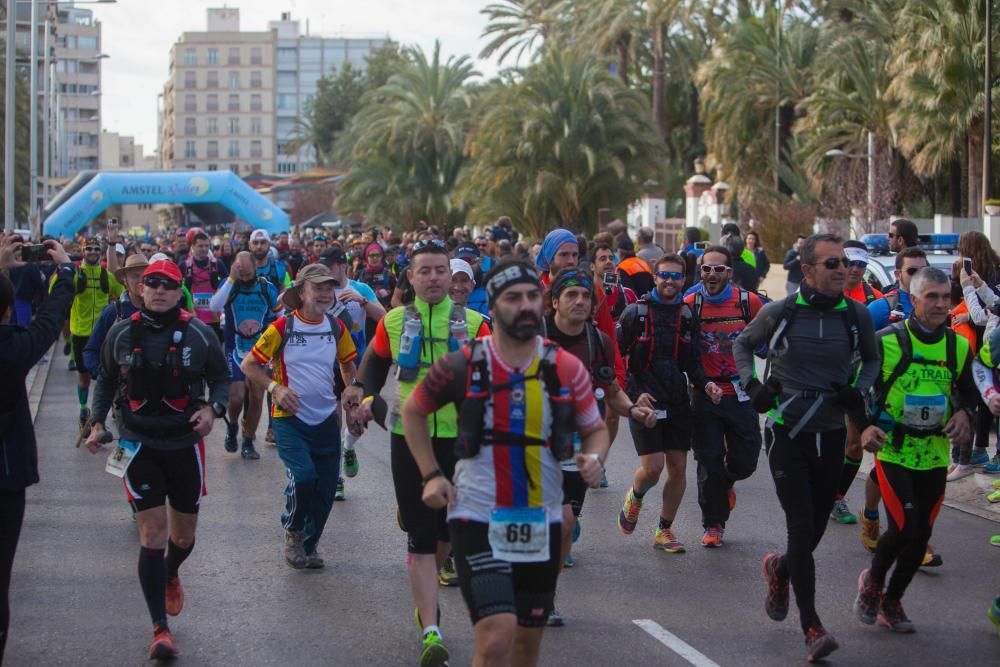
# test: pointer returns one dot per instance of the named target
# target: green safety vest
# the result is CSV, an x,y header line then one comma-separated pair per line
x,y
919,399
91,300
748,257
435,320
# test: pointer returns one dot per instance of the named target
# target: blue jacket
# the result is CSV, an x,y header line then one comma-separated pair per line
x,y
112,313
879,309
479,301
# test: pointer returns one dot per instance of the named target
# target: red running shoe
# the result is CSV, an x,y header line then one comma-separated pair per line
x,y
819,643
776,603
175,596
164,647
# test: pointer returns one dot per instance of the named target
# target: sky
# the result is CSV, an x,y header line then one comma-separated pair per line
x,y
137,36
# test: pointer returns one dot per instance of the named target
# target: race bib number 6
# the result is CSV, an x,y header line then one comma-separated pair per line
x,y
924,411
519,535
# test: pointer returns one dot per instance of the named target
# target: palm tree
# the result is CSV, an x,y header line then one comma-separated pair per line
x,y
937,86
566,140
407,141
22,179
516,25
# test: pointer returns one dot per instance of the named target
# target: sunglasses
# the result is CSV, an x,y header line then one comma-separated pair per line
x,y
833,263
426,244
714,268
857,264
93,248
670,275
152,282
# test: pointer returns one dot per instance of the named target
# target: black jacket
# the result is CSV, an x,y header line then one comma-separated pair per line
x,y
20,349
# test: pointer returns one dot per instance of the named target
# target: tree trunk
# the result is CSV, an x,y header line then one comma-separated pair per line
x,y
694,127
623,60
786,117
955,187
659,81
974,157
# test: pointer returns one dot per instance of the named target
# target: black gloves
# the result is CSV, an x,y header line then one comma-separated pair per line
x,y
762,396
853,403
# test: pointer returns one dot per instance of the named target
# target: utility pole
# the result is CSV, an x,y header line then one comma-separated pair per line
x,y
10,83
33,114
988,111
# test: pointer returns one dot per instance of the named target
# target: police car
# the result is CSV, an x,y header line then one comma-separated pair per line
x,y
941,249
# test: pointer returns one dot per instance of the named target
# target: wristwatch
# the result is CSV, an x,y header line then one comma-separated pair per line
x,y
219,409
357,383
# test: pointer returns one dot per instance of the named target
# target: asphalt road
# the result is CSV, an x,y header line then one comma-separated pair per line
x,y
76,598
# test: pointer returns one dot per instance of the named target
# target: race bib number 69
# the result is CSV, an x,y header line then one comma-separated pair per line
x,y
519,535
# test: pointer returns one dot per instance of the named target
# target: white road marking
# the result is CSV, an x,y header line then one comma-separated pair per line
x,y
675,643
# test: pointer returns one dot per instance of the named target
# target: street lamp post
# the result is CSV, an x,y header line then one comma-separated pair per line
x,y
869,156
33,115
8,126
988,110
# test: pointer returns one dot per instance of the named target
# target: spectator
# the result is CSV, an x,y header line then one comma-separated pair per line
x,y
744,275
902,234
752,241
635,273
692,235
648,251
793,264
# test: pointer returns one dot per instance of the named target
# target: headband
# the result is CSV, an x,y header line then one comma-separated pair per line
x,y
509,276
856,254
572,278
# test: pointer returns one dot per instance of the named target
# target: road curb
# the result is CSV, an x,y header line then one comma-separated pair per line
x,y
37,378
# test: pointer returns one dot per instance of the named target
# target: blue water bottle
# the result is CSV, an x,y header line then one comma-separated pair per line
x,y
408,361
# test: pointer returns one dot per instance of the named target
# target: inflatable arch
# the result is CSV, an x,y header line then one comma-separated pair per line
x,y
89,195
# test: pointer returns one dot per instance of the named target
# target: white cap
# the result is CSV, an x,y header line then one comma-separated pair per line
x,y
463,266
260,235
157,257
119,248
856,254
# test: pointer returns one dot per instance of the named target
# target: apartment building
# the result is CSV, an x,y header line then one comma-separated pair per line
x,y
217,108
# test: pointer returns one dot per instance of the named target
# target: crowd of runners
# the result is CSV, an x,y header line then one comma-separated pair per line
x,y
514,365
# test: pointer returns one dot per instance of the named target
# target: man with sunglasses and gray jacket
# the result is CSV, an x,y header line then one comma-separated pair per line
x,y
815,338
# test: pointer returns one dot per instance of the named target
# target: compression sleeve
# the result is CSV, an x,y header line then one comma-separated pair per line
x,y
983,377
218,301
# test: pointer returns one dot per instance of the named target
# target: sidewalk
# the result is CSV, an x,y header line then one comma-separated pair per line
x,y
38,376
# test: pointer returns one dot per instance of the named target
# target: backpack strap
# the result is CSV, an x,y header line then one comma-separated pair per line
x,y
868,292
699,302
745,305
788,311
853,325
882,388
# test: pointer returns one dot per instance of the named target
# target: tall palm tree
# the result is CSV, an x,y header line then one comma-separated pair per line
x,y
938,68
517,26
408,140
567,139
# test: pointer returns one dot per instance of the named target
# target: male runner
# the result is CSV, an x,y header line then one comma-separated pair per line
x,y
154,367
925,398
413,337
655,334
726,435
250,304
130,301
305,346
514,430
813,336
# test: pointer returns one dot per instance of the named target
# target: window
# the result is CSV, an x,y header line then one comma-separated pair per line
x,y
235,168
234,81
190,126
256,127
213,167
213,103
234,103
234,126
190,79
256,103
256,148
256,56
287,80
190,105
213,56
287,56
234,55
255,168
212,126
212,150
190,57
286,101
255,79
212,80
87,43
190,167
189,150
234,148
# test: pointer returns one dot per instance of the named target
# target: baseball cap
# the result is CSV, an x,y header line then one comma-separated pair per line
x,y
260,235
333,255
165,268
463,266
467,251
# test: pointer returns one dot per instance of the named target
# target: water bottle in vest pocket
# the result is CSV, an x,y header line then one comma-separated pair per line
x,y
408,361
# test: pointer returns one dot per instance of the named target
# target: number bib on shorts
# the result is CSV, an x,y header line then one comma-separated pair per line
x,y
121,456
924,412
519,535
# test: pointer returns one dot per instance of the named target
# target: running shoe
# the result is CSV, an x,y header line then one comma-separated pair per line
x,y
175,596
819,643
931,559
350,462
84,418
164,646
842,513
996,483
314,561
339,494
230,442
568,561
994,614
979,457
604,481
665,540
66,349
866,602
629,514
776,602
447,576
993,467
247,450
269,436
732,498
434,653
892,616
576,530
556,619
994,497
961,470
995,541
870,531
72,364
712,537
295,553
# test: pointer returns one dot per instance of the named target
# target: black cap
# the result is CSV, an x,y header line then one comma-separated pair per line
x,y
466,250
333,255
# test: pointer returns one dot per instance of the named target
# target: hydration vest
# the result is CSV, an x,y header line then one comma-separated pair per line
x,y
475,423
640,351
159,397
103,282
213,268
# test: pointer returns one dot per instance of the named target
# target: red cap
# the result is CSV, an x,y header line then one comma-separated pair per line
x,y
193,232
164,268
